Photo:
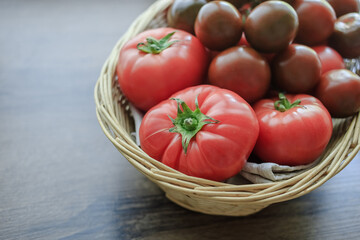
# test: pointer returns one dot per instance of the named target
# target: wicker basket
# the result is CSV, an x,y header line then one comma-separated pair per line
x,y
202,195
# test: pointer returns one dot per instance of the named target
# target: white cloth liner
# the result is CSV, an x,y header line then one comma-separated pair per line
x,y
271,172
254,172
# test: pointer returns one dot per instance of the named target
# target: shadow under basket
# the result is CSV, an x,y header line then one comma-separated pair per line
x,y
198,194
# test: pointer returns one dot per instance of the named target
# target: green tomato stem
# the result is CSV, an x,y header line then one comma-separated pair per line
x,y
155,46
284,104
188,123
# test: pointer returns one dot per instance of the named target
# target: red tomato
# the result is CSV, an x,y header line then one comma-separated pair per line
x,y
339,91
176,63
316,21
243,41
294,133
329,58
212,140
242,70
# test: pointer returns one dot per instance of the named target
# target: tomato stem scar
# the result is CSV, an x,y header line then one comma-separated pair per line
x,y
188,123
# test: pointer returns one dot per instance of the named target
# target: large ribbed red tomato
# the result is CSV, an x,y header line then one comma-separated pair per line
x,y
159,62
211,139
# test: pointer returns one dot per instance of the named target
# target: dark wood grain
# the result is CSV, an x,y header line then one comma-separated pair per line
x,y
60,178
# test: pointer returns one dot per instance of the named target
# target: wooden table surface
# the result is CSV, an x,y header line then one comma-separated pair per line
x,y
61,178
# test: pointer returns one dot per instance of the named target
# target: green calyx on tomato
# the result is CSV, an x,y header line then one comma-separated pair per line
x,y
284,104
188,123
156,46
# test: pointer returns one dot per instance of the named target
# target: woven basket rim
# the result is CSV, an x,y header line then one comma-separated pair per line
x,y
107,99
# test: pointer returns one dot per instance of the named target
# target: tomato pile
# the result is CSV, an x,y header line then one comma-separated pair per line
x,y
228,79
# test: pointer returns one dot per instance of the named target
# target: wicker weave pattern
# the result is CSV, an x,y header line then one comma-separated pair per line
x,y
199,194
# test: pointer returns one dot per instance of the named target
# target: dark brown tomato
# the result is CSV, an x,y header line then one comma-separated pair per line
x,y
254,3
346,36
271,26
237,3
339,91
343,7
297,69
218,25
287,1
316,21
242,70
182,14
